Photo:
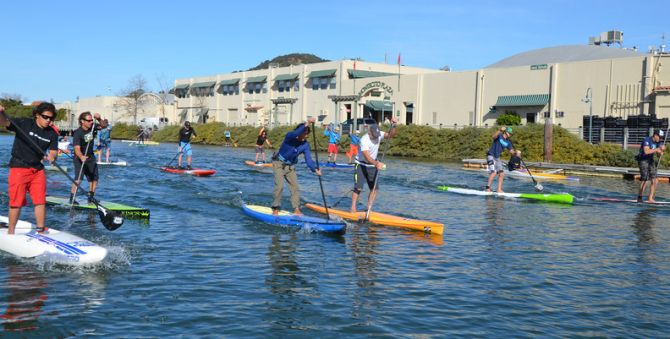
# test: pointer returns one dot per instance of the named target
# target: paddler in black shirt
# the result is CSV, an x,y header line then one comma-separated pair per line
x,y
84,160
185,134
26,171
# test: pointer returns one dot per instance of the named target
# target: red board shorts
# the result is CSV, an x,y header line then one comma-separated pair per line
x,y
353,150
332,148
26,180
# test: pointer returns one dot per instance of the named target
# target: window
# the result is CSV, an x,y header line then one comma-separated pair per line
x,y
229,89
322,83
560,114
333,82
547,114
281,84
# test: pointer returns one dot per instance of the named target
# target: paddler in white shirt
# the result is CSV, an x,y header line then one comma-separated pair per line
x,y
367,164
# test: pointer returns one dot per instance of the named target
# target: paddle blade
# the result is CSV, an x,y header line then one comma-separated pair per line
x,y
110,219
539,187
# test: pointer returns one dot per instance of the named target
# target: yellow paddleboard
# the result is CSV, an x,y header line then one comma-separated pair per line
x,y
384,219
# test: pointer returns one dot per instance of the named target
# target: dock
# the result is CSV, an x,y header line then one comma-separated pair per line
x,y
626,173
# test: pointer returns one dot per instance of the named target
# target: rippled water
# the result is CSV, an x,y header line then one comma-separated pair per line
x,y
201,267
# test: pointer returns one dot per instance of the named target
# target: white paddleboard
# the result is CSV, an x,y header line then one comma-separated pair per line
x,y
113,163
59,246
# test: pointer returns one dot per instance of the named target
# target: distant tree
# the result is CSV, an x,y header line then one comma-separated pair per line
x,y
509,118
129,102
289,59
14,106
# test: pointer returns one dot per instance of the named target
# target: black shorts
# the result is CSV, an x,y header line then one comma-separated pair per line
x,y
647,170
364,174
90,169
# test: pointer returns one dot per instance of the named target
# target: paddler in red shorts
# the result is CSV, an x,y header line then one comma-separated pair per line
x,y
26,171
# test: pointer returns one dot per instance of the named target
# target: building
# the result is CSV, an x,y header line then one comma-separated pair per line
x,y
563,83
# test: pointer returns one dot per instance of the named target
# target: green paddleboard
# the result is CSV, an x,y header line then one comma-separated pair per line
x,y
125,210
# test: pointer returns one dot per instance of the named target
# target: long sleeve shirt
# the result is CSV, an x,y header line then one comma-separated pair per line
x,y
291,148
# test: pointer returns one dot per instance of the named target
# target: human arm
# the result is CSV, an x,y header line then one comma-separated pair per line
x,y
378,164
308,158
498,132
267,141
261,131
393,130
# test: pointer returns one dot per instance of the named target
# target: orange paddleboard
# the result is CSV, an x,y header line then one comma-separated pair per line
x,y
384,219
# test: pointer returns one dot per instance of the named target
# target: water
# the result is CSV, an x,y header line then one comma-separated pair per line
x,y
201,268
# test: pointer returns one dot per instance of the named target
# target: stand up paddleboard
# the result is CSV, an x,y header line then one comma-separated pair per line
x,y
253,164
125,210
384,219
335,165
59,246
562,198
633,201
198,172
113,163
54,168
264,214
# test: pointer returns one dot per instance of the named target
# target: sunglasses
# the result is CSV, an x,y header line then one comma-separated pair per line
x,y
47,117
87,120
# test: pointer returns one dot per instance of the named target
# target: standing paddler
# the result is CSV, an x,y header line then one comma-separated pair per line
x,y
494,164
645,160
283,165
26,171
367,165
84,161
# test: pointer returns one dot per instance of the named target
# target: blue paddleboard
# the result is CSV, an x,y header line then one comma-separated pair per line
x,y
264,214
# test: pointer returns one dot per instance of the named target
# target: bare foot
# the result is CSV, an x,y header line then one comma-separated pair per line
x,y
488,190
651,200
297,212
275,213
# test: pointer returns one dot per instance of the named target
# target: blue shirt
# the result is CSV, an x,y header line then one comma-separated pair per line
x,y
498,145
227,134
355,139
292,147
105,134
334,137
648,142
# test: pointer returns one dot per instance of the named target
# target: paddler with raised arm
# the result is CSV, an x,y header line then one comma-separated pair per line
x,y
367,164
500,141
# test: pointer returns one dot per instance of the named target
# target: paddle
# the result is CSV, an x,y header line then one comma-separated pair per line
x,y
374,186
81,170
538,187
664,140
110,219
175,157
316,157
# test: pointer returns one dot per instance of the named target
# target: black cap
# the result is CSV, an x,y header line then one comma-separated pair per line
x,y
186,123
374,131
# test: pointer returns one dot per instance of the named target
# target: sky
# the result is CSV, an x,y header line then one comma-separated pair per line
x,y
60,50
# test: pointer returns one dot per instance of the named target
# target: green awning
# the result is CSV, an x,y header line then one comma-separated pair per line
x,y
358,74
322,74
257,79
522,100
379,105
203,84
182,86
229,82
286,77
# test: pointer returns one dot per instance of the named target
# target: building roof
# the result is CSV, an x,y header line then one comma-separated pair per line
x,y
568,53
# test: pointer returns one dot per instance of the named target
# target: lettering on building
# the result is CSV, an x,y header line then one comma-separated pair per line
x,y
376,84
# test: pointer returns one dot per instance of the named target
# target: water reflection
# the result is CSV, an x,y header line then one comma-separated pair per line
x,y
643,226
25,298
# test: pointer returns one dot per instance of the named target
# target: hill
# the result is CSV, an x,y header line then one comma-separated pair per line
x,y
289,59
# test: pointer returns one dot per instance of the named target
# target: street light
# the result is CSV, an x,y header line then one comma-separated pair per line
x,y
588,98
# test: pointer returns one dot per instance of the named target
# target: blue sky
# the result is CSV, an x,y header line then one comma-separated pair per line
x,y
59,50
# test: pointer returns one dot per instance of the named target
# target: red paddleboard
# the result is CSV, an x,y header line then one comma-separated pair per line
x,y
198,172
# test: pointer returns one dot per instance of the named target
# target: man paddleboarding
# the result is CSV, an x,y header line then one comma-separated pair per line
x,y
84,161
500,142
26,171
185,134
105,140
367,165
283,165
648,167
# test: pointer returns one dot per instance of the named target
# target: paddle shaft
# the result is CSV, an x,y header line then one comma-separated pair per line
x,y
101,208
316,157
175,157
664,140
537,186
374,186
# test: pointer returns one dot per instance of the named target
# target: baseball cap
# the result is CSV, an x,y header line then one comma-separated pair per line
x,y
374,130
508,130
187,123
660,133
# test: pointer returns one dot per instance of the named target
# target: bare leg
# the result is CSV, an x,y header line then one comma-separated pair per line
x,y
40,215
501,176
179,162
371,198
13,219
488,183
256,157
188,160
354,200
92,186
652,190
107,159
643,185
